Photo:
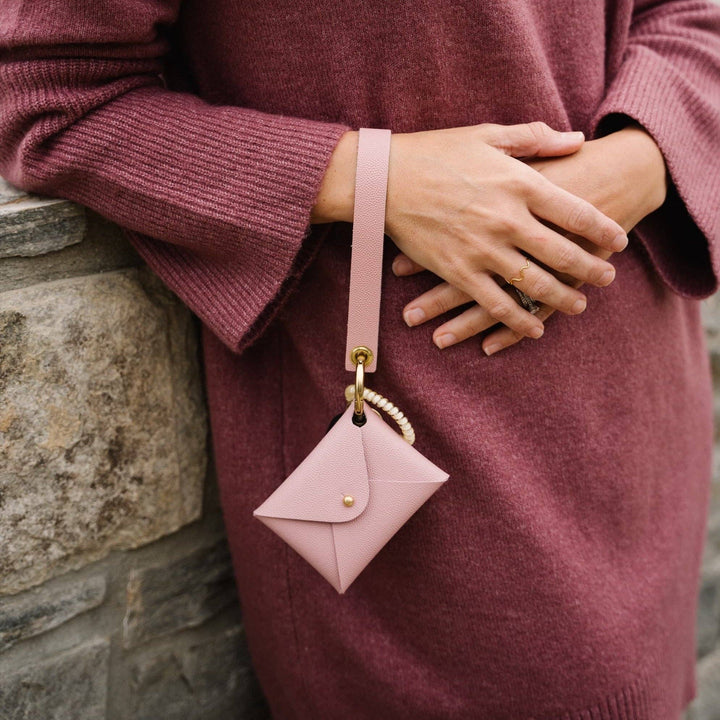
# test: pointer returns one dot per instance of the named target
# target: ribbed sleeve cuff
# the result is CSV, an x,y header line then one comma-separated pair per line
x,y
236,302
220,179
682,236
216,199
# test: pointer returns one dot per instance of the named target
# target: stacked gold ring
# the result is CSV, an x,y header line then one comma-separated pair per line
x,y
525,300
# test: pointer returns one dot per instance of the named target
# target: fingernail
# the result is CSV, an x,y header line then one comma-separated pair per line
x,y
414,316
607,277
536,332
575,135
445,340
620,242
490,349
401,265
579,305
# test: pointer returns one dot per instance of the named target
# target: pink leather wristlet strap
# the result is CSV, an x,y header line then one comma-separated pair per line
x,y
368,233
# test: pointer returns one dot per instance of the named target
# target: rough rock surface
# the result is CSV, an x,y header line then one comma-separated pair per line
x,y
166,598
42,609
32,224
102,421
70,686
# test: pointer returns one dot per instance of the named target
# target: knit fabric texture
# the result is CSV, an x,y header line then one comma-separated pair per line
x,y
555,575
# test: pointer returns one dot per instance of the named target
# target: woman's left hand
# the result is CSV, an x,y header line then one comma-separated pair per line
x,y
622,174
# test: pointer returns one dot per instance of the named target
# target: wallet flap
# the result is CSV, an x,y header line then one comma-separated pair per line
x,y
317,489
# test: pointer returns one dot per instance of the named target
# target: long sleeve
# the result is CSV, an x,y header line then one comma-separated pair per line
x,y
668,80
216,198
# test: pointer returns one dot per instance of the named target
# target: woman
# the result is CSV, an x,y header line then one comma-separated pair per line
x,y
554,575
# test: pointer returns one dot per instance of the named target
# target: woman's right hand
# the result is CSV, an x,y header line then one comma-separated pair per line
x,y
460,204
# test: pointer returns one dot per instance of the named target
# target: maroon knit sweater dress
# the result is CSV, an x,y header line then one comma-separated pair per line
x,y
555,574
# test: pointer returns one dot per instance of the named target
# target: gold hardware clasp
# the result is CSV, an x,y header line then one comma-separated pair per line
x,y
361,350
360,356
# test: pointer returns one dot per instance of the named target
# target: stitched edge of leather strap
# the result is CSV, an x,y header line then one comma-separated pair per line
x,y
371,178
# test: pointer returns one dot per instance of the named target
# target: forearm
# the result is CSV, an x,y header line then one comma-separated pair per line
x,y
623,174
627,177
633,176
336,198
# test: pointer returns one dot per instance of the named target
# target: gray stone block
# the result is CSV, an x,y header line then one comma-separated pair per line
x,y
39,610
212,680
706,705
104,247
34,225
711,550
103,425
186,593
70,686
708,620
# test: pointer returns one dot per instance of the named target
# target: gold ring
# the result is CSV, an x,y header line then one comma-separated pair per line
x,y
526,301
522,272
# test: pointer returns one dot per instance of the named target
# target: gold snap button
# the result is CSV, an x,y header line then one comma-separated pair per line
x,y
348,500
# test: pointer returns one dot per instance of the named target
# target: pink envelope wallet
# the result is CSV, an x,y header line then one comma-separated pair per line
x,y
363,480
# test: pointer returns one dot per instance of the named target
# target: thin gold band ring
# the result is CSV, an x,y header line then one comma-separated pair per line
x,y
522,273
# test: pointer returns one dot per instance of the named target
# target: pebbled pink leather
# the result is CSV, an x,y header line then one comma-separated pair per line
x,y
314,490
367,242
388,479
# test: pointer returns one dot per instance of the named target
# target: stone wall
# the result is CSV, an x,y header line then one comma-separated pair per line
x,y
117,600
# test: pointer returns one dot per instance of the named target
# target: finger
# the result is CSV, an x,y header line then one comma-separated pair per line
x,y
572,213
534,139
434,302
565,256
487,293
538,283
503,337
403,265
472,321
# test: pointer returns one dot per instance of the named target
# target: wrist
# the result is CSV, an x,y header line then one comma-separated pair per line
x,y
643,168
335,200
